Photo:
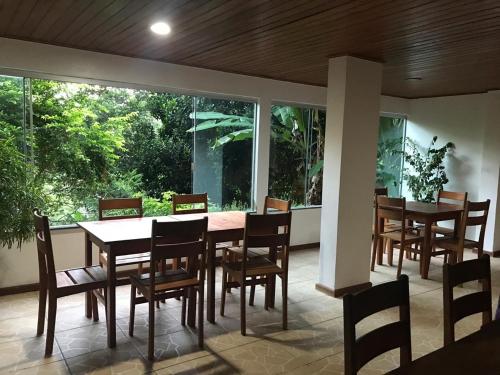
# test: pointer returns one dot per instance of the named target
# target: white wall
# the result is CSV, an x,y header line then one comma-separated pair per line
x,y
457,119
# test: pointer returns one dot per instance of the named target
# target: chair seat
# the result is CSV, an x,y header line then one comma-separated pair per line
x,y
396,236
255,267
452,243
250,253
78,280
442,230
171,279
126,260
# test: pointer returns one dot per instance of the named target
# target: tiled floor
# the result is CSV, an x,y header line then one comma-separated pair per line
x,y
313,344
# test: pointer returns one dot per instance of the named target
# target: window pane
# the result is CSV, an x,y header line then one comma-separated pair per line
x,y
223,152
93,141
389,156
12,109
296,154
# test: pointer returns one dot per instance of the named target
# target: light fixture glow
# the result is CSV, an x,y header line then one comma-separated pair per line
x,y
160,28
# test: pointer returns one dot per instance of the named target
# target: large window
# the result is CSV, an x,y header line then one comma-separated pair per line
x,y
296,154
392,132
87,141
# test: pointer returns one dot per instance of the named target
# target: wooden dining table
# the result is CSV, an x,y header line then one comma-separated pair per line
x,y
133,236
427,214
478,353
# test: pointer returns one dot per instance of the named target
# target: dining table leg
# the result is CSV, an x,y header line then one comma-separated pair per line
x,y
211,280
380,244
111,300
88,263
427,248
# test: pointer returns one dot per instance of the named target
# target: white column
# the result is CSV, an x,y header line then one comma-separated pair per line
x,y
353,105
263,137
490,170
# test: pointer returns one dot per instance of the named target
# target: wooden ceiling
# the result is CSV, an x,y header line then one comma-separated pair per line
x,y
453,47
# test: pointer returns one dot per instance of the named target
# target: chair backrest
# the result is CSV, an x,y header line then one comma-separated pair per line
x,y
179,201
452,197
390,208
381,191
120,204
180,239
475,214
359,351
457,309
267,231
276,204
46,268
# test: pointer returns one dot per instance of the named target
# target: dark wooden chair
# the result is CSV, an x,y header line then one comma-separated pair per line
x,y
261,231
192,201
122,208
234,253
452,197
475,214
459,308
169,240
381,191
403,237
57,284
359,351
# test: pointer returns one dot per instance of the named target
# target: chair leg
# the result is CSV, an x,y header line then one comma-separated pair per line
x,y
51,325
390,252
243,303
183,310
201,318
374,253
400,261
284,293
151,336
267,294
223,293
252,292
42,303
132,311
95,308
479,252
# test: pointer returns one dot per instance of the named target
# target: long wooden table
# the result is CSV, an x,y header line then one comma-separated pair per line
x,y
478,353
132,236
428,213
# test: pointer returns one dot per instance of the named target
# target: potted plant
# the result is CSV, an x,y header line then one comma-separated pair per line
x,y
426,172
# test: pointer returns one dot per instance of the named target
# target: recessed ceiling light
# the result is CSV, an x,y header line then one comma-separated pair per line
x,y
413,78
160,28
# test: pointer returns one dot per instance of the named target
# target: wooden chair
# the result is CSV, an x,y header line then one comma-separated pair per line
x,y
169,240
457,309
271,205
444,196
475,214
59,284
381,191
121,205
403,238
359,351
261,231
180,201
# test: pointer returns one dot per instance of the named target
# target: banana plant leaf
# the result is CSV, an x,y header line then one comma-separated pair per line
x,y
316,168
216,119
238,135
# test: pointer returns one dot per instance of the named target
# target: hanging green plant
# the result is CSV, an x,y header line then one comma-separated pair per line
x,y
425,173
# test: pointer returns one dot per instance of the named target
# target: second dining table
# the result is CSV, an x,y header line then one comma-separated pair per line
x,y
133,236
428,214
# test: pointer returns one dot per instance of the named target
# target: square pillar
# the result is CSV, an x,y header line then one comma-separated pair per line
x,y
261,156
490,171
353,109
